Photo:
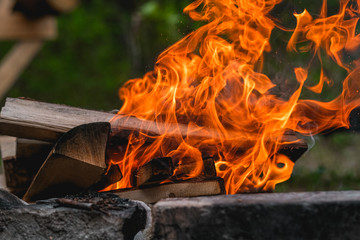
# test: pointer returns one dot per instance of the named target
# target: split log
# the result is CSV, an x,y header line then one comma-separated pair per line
x,y
187,166
23,163
76,162
155,171
31,149
180,189
40,8
45,121
7,147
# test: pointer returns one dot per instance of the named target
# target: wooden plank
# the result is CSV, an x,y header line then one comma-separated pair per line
x,y
17,27
180,189
77,162
15,62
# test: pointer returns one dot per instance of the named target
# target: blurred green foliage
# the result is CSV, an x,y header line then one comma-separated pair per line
x,y
100,46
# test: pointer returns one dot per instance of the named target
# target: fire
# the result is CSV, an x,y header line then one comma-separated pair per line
x,y
212,81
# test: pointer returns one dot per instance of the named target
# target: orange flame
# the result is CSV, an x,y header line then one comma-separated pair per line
x,y
212,81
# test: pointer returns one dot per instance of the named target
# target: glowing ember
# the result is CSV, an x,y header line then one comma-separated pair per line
x,y
212,81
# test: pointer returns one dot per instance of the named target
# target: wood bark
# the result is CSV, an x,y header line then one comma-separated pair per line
x,y
77,162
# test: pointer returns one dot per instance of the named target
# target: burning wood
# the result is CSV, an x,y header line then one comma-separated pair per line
x,y
38,120
155,171
187,166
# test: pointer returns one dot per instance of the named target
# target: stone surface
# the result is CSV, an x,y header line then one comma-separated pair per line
x,y
319,215
98,216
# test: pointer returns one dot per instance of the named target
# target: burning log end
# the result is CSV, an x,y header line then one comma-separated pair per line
x,y
185,169
294,151
155,171
77,162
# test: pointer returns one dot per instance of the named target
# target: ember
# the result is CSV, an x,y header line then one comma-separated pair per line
x,y
213,82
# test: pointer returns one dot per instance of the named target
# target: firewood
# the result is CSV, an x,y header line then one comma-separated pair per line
x,y
25,161
187,166
180,189
7,147
155,171
76,162
40,8
45,121
31,149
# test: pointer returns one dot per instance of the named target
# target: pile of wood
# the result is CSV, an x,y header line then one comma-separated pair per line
x,y
55,150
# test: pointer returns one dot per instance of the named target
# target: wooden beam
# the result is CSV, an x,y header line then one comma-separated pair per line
x,y
76,163
179,189
15,62
17,27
